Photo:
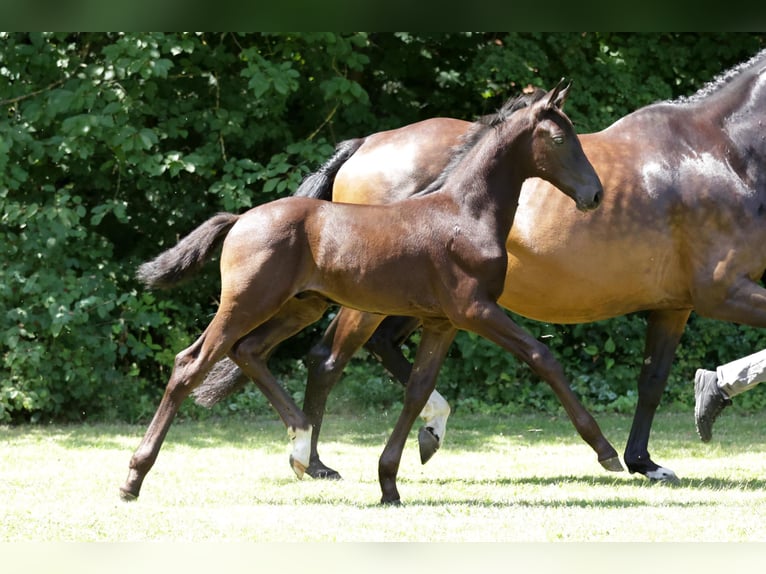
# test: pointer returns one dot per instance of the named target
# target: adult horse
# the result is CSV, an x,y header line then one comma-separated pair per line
x,y
439,257
682,228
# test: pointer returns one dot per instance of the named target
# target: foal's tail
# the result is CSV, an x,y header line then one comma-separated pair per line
x,y
318,185
178,263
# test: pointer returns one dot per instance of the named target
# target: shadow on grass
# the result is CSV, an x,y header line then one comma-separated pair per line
x,y
626,500
615,480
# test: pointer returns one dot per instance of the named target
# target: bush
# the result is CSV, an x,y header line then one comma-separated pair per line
x,y
113,145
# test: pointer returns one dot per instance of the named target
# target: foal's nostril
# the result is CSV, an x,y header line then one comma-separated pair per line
x,y
597,198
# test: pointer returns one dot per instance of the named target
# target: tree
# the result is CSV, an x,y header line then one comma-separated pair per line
x,y
113,145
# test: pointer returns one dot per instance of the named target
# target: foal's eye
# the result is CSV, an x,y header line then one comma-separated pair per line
x,y
558,139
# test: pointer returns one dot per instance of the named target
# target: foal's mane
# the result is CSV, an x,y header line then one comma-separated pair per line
x,y
723,79
478,130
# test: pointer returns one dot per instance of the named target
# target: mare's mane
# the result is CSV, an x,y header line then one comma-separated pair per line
x,y
722,80
477,131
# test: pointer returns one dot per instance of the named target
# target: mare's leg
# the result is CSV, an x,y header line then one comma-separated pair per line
x,y
663,334
344,337
347,332
743,301
386,344
490,321
434,344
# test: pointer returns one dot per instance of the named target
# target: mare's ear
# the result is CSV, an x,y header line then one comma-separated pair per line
x,y
558,95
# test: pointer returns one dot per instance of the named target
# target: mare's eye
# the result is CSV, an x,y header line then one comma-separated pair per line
x,y
558,139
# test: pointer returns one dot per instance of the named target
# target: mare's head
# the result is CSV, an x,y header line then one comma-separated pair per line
x,y
555,151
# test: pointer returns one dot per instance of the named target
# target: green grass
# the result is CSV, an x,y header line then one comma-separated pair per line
x,y
520,479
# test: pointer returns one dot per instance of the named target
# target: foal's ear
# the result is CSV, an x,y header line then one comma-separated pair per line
x,y
558,95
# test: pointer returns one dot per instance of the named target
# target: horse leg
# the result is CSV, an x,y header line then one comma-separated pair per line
x,y
663,334
744,302
298,426
189,369
435,342
385,344
251,352
490,321
347,332
226,378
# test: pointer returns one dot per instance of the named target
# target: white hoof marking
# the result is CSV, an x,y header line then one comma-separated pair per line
x,y
435,415
662,474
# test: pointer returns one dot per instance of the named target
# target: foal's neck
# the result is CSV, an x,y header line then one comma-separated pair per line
x,y
487,183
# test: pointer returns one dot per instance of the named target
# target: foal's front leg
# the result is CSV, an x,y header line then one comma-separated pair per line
x,y
435,342
490,321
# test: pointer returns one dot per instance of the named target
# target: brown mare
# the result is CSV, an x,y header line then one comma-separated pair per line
x,y
682,228
439,257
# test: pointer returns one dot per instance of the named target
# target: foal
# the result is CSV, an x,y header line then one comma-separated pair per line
x,y
439,257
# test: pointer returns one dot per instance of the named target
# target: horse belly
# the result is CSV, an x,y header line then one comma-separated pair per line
x,y
399,291
577,268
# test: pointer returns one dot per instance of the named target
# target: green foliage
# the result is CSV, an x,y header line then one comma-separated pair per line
x,y
114,145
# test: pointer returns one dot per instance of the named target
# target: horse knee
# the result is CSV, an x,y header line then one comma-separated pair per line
x,y
542,361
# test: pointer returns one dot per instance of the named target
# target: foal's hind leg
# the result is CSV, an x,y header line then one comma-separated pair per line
x,y
190,367
226,378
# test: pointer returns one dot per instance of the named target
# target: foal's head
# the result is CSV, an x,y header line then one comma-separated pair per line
x,y
555,153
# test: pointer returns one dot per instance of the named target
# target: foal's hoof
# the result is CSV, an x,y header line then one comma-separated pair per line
x,y
126,496
429,444
298,467
612,464
394,502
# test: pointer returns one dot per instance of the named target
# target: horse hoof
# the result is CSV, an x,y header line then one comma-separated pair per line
x,y
428,442
612,464
393,502
663,475
126,496
323,473
298,468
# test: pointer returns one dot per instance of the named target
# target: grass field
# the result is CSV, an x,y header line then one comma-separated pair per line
x,y
514,479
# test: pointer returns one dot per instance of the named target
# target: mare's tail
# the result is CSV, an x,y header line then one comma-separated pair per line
x,y
318,185
178,263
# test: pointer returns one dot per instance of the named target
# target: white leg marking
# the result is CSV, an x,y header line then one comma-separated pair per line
x,y
301,441
662,474
435,414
